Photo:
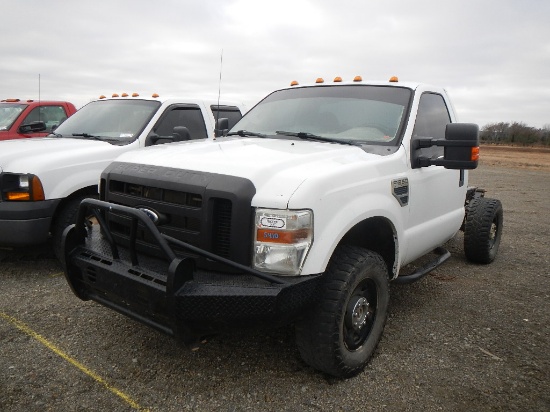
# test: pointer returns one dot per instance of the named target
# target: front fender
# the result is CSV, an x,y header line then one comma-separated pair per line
x,y
332,224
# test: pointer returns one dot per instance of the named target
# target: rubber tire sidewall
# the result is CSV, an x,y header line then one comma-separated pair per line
x,y
64,217
319,335
482,212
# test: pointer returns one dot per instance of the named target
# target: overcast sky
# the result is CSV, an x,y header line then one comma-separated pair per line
x,y
492,56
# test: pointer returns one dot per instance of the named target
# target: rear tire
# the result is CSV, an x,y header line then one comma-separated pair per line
x,y
483,230
340,334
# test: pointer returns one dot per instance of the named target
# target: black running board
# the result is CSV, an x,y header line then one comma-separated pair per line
x,y
443,255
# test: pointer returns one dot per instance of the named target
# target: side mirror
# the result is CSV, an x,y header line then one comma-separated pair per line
x,y
181,133
222,126
461,148
465,153
34,127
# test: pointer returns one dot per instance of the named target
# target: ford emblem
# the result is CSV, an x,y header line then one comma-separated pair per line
x,y
151,214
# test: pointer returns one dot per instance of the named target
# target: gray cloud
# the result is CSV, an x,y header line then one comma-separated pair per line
x,y
492,56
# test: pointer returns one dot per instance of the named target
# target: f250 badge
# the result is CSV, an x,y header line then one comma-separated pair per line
x,y
273,222
400,190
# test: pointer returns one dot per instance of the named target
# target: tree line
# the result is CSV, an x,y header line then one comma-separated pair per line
x,y
516,133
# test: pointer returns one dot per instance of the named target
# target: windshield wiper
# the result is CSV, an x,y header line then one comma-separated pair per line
x,y
244,133
311,136
90,136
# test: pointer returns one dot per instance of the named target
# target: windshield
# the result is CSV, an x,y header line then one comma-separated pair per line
x,y
119,121
354,113
9,113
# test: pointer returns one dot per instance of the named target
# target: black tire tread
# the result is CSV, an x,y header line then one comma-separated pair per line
x,y
481,213
65,217
313,337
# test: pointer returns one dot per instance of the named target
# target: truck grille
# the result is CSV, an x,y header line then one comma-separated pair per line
x,y
209,211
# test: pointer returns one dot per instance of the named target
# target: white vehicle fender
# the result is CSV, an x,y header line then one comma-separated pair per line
x,y
330,226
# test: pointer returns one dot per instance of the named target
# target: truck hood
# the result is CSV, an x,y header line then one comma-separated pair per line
x,y
63,165
276,167
38,155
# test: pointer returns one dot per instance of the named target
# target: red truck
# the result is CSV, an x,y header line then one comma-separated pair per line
x,y
30,118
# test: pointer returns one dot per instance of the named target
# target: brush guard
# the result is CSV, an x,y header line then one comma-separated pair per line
x,y
170,293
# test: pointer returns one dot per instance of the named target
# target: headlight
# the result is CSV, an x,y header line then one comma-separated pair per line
x,y
21,187
282,240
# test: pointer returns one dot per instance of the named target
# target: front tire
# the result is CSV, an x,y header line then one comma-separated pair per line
x,y
66,216
342,331
483,230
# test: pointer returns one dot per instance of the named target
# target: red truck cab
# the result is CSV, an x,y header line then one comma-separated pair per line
x,y
29,118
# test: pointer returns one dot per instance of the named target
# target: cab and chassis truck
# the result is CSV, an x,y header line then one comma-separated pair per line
x,y
302,214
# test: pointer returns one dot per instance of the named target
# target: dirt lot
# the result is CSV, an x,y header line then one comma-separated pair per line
x,y
466,337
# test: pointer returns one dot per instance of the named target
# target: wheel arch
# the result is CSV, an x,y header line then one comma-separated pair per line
x,y
379,235
88,190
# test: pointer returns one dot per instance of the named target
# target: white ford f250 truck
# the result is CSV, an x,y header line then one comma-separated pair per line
x,y
43,180
303,213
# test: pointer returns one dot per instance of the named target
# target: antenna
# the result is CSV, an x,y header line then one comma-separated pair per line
x,y
219,87
39,112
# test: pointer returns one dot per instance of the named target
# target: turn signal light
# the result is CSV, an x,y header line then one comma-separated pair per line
x,y
474,157
18,196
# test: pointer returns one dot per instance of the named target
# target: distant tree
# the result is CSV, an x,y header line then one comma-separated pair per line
x,y
495,133
522,134
545,135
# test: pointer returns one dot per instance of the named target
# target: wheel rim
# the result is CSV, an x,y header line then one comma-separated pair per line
x,y
360,315
493,232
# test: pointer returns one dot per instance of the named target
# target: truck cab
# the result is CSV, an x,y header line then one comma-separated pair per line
x,y
43,180
21,119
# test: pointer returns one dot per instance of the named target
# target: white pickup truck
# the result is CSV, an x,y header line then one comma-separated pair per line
x,y
43,180
303,213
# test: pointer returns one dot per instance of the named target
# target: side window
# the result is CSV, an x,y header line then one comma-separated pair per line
x,y
50,115
189,117
232,113
431,120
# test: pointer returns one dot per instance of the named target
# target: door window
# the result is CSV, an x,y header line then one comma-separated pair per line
x,y
431,120
190,117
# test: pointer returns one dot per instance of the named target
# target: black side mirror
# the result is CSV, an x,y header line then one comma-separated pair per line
x,y
34,127
465,153
461,147
222,126
181,133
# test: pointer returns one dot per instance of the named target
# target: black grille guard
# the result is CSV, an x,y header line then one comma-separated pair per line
x,y
76,234
170,293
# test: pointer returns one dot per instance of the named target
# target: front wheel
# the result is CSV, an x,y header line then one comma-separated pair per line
x,y
483,230
340,334
65,217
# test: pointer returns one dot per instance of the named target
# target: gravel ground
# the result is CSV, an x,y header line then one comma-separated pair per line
x,y
466,337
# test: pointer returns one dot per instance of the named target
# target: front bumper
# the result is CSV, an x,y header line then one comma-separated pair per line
x,y
26,223
170,294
